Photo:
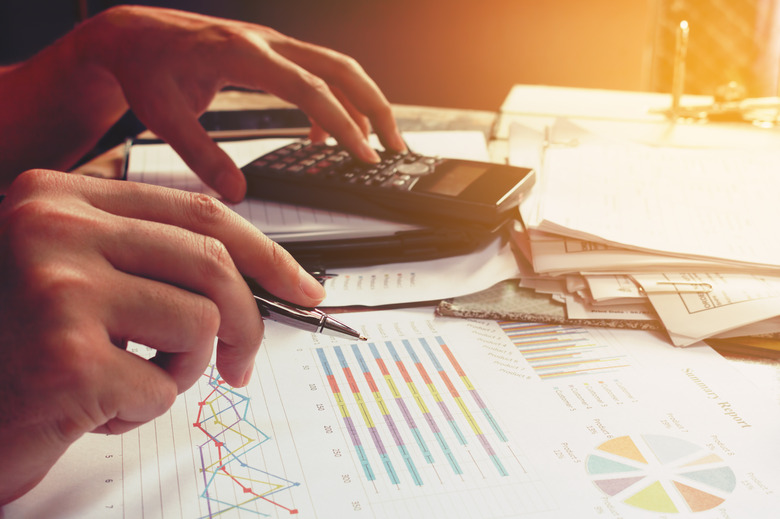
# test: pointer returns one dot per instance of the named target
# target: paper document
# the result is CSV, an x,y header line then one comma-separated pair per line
x,y
706,204
694,306
441,418
421,280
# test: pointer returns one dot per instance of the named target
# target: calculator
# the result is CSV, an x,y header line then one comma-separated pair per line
x,y
407,187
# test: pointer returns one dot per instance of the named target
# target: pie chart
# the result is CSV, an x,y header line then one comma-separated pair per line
x,y
660,473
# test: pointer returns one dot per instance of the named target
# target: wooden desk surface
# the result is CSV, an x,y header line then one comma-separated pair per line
x,y
764,372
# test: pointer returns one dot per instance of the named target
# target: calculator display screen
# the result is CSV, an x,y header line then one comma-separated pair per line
x,y
456,179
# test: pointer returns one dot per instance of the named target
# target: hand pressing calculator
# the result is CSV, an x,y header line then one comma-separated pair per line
x,y
405,187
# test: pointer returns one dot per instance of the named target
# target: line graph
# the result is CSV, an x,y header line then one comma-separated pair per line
x,y
230,479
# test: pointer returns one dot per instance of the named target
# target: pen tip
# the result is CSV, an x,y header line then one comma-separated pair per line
x,y
362,337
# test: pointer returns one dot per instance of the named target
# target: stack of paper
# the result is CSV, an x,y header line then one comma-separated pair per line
x,y
623,230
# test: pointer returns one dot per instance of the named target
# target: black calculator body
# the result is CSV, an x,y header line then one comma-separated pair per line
x,y
406,187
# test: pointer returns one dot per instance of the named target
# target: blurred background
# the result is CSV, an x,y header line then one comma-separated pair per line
x,y
467,54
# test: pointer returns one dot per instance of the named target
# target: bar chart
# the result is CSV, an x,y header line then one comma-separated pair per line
x,y
411,404
556,351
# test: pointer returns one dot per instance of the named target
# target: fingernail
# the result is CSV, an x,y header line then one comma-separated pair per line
x,y
367,153
310,286
398,142
248,375
228,188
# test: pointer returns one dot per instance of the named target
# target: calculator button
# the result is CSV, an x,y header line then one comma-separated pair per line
x,y
414,168
260,163
325,164
278,166
295,168
399,182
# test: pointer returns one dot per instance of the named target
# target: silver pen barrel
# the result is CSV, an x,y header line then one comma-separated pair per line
x,y
308,319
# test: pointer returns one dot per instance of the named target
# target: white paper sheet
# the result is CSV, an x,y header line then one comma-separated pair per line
x,y
725,302
717,204
421,280
442,418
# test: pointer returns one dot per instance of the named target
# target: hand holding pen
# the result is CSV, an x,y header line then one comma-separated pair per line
x,y
308,319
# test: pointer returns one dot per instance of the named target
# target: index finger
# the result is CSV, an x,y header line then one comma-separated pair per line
x,y
349,77
254,254
312,95
174,121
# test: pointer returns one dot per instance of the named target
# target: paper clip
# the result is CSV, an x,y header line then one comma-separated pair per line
x,y
679,287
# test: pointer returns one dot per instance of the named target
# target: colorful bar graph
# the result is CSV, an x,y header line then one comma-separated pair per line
x,y
389,421
401,403
464,409
367,418
434,392
472,430
348,422
429,419
556,351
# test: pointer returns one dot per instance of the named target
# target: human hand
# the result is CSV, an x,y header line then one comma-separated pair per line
x,y
88,264
170,64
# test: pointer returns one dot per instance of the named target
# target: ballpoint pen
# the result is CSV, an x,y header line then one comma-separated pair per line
x,y
303,318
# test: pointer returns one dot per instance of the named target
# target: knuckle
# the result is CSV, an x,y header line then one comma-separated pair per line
x,y
71,360
214,39
205,210
29,219
31,182
55,288
216,262
208,317
347,66
280,259
311,86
